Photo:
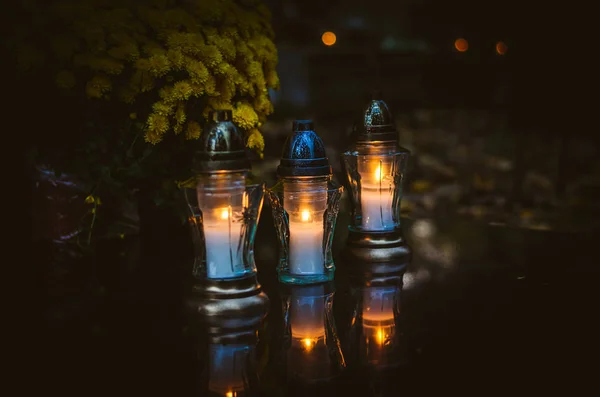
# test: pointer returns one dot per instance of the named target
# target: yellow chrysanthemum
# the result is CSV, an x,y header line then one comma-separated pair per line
x,y
163,108
98,86
256,140
211,55
193,130
272,79
197,71
210,86
159,65
65,79
176,58
226,89
181,91
245,116
157,126
180,113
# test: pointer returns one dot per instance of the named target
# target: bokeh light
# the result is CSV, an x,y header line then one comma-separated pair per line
x,y
501,48
461,45
328,38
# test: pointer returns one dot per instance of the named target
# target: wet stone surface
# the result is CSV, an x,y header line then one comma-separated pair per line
x,y
482,308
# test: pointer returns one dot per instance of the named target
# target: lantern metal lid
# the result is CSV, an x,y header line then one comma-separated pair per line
x,y
221,146
303,153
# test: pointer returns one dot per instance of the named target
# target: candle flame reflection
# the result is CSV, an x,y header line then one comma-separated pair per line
x,y
378,173
225,213
380,336
308,344
305,215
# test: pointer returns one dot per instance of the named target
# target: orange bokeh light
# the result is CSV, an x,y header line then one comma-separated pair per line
x,y
501,48
328,38
461,45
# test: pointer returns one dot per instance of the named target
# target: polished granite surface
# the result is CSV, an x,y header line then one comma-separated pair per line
x,y
481,309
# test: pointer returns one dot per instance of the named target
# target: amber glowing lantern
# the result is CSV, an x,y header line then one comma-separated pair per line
x,y
375,169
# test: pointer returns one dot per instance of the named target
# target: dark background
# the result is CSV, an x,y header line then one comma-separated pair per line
x,y
465,112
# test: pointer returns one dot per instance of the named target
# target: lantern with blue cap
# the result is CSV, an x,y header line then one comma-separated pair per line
x,y
305,203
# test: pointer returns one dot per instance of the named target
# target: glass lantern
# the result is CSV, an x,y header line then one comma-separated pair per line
x,y
375,169
305,204
224,207
376,338
227,352
311,346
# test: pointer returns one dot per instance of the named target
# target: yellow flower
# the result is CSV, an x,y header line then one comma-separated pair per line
x,y
180,113
65,79
158,122
181,91
162,108
176,58
245,116
197,71
256,140
159,65
193,130
98,86
157,126
272,79
89,199
211,55
210,87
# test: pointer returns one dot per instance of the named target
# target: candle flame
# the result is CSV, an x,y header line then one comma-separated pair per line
x,y
378,173
380,336
225,213
308,344
231,394
305,215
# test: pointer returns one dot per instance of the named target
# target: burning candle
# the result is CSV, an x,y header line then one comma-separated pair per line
x,y
377,193
224,257
223,202
305,202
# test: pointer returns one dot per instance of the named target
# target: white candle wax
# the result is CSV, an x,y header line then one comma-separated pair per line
x,y
376,208
306,248
223,258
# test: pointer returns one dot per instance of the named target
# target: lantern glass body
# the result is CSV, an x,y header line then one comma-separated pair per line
x,y
375,172
377,339
224,211
231,368
305,212
312,347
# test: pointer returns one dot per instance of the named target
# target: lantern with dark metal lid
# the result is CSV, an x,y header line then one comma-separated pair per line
x,y
225,207
375,168
305,203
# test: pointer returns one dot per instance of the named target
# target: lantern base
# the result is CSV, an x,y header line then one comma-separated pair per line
x,y
378,252
286,277
228,304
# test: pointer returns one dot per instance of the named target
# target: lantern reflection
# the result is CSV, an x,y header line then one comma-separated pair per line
x,y
375,338
313,353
